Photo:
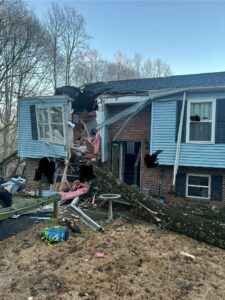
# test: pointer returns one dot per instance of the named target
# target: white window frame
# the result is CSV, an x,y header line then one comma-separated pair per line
x,y
198,175
63,142
213,101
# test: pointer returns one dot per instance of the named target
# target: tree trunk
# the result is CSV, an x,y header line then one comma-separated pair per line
x,y
197,227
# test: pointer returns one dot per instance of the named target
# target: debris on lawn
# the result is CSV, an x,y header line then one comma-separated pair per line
x,y
85,218
40,218
14,184
99,254
78,189
187,255
72,225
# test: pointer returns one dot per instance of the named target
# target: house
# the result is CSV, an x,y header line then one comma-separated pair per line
x,y
43,130
46,127
182,115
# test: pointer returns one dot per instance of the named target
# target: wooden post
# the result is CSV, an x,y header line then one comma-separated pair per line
x,y
64,176
40,188
55,210
110,212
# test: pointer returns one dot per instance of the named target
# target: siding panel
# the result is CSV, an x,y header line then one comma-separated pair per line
x,y
27,147
164,135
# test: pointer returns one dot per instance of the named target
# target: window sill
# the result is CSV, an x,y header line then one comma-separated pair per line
x,y
53,142
200,143
197,198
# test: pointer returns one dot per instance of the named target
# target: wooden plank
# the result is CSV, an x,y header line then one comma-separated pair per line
x,y
64,176
19,209
55,210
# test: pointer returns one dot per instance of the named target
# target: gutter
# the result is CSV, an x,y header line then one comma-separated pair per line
x,y
137,107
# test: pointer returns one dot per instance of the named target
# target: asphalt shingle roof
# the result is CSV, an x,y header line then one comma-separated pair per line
x,y
171,82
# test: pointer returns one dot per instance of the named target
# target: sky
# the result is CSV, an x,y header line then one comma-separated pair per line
x,y
188,35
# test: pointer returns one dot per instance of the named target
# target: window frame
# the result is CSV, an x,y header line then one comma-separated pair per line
x,y
198,175
213,121
49,107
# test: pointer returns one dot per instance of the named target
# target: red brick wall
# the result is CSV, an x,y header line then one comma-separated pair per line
x,y
153,176
137,129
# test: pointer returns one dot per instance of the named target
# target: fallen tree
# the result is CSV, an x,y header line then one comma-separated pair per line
x,y
197,227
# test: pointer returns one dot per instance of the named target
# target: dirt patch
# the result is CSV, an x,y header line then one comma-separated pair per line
x,y
140,261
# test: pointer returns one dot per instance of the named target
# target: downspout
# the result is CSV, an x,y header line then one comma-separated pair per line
x,y
177,157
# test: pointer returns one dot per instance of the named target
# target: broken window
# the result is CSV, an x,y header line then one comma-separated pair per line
x,y
50,124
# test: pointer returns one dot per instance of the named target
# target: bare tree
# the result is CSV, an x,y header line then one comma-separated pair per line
x,y
124,67
88,68
155,68
120,69
74,38
23,63
137,64
55,23
69,40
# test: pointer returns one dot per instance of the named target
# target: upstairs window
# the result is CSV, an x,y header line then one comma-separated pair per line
x,y
201,122
50,123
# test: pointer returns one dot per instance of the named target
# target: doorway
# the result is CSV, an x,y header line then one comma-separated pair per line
x,y
126,157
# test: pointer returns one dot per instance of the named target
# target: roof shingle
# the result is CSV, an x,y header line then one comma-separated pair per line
x,y
171,82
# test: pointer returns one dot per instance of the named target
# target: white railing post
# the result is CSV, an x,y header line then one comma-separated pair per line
x,y
179,135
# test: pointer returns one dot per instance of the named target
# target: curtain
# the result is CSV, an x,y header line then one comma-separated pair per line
x,y
201,130
203,110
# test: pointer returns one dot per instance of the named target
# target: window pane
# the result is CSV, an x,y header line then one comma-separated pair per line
x,y
57,131
207,111
200,131
197,180
44,131
198,192
130,147
42,115
203,110
56,114
195,109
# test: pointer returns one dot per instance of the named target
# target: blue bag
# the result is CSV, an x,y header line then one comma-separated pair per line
x,y
55,234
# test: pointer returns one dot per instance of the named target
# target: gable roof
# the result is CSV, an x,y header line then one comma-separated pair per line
x,y
172,82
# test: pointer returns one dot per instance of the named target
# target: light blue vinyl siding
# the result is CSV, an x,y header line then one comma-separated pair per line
x,y
27,147
163,137
163,130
